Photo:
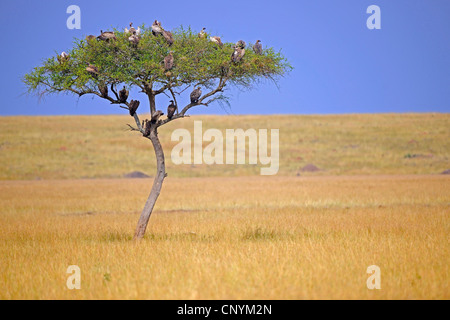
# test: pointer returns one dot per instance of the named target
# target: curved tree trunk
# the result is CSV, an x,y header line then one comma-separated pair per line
x,y
157,185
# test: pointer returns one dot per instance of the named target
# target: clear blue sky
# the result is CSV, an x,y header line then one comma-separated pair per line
x,y
340,65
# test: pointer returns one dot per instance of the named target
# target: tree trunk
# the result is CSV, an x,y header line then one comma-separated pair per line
x,y
157,185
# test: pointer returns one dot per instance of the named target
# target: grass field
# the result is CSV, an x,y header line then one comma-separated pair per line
x,y
227,238
102,147
378,200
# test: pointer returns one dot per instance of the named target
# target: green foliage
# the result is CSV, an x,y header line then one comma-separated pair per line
x,y
196,62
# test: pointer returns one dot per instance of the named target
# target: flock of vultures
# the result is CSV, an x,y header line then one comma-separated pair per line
x,y
157,30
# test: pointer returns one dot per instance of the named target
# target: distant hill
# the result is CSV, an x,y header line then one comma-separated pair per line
x,y
71,147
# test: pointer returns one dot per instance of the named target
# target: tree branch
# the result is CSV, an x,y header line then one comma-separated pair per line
x,y
174,98
200,102
162,89
138,123
132,128
114,91
219,88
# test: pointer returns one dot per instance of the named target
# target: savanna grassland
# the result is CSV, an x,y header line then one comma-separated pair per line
x,y
67,147
225,232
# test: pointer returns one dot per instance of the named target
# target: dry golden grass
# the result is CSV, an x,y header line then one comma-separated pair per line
x,y
227,238
72,147
218,232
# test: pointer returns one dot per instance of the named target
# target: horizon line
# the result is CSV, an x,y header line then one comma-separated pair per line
x,y
236,115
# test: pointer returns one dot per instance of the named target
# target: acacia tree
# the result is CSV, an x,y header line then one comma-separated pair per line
x,y
99,66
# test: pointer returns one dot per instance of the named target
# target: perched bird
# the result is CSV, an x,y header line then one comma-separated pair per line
x,y
238,54
106,36
132,107
171,109
134,39
168,36
92,69
103,90
241,44
235,54
217,40
195,95
257,47
241,53
156,115
132,30
63,57
90,38
168,61
156,28
123,95
202,34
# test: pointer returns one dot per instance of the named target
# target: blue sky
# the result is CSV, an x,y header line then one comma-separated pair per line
x,y
340,65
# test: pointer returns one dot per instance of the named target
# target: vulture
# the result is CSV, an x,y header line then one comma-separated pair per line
x,y
156,115
156,28
123,95
132,107
257,47
63,57
195,95
241,44
238,54
134,39
171,109
133,30
106,36
216,40
103,90
168,36
241,53
168,61
90,38
92,69
202,34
